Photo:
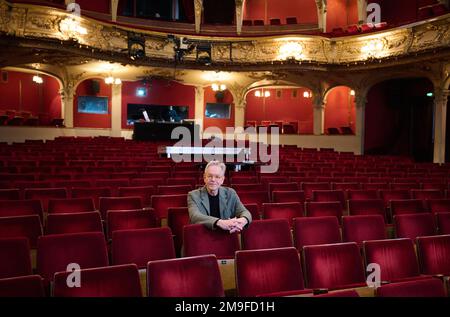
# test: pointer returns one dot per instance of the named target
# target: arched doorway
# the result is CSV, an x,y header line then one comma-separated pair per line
x,y
289,107
340,114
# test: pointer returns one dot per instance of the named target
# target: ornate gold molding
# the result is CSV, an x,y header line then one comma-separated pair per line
x,y
29,21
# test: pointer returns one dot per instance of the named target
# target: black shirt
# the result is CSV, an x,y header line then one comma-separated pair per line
x,y
214,208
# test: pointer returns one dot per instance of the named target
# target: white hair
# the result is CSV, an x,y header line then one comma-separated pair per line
x,y
222,166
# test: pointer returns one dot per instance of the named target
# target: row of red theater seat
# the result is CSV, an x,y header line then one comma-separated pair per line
x,y
26,216
274,272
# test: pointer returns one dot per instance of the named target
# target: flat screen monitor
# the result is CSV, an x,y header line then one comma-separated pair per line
x,y
93,104
217,110
156,113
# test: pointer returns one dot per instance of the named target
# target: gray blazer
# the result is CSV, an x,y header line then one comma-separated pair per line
x,y
229,202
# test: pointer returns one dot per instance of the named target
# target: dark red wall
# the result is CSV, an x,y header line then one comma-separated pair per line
x,y
36,98
305,11
210,97
90,120
101,6
159,93
340,109
400,11
286,108
341,13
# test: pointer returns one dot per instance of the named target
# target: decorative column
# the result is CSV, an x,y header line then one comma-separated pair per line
x,y
322,14
238,93
199,106
440,118
67,94
319,112
116,110
114,6
360,102
362,11
198,8
239,15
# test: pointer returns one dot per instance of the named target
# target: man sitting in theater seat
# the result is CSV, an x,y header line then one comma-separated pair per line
x,y
215,206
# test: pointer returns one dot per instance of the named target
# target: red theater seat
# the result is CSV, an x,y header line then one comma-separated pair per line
x,y
199,240
414,225
424,194
11,208
328,195
55,252
287,211
443,221
174,189
23,286
130,219
177,218
10,194
439,205
362,194
288,196
434,254
322,209
397,258
93,192
254,197
282,187
186,277
389,195
144,192
70,205
74,222
139,246
160,203
267,234
291,20
309,187
366,207
254,211
333,266
111,281
21,226
409,206
315,230
119,203
15,257
269,271
45,194
363,228
432,287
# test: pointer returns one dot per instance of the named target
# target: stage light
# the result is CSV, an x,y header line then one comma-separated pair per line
x,y
204,53
136,46
352,92
141,92
430,94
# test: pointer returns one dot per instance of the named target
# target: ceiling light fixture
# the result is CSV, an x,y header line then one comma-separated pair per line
x,y
291,51
218,87
38,79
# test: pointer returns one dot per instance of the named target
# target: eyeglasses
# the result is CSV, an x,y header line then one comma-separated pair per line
x,y
209,176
